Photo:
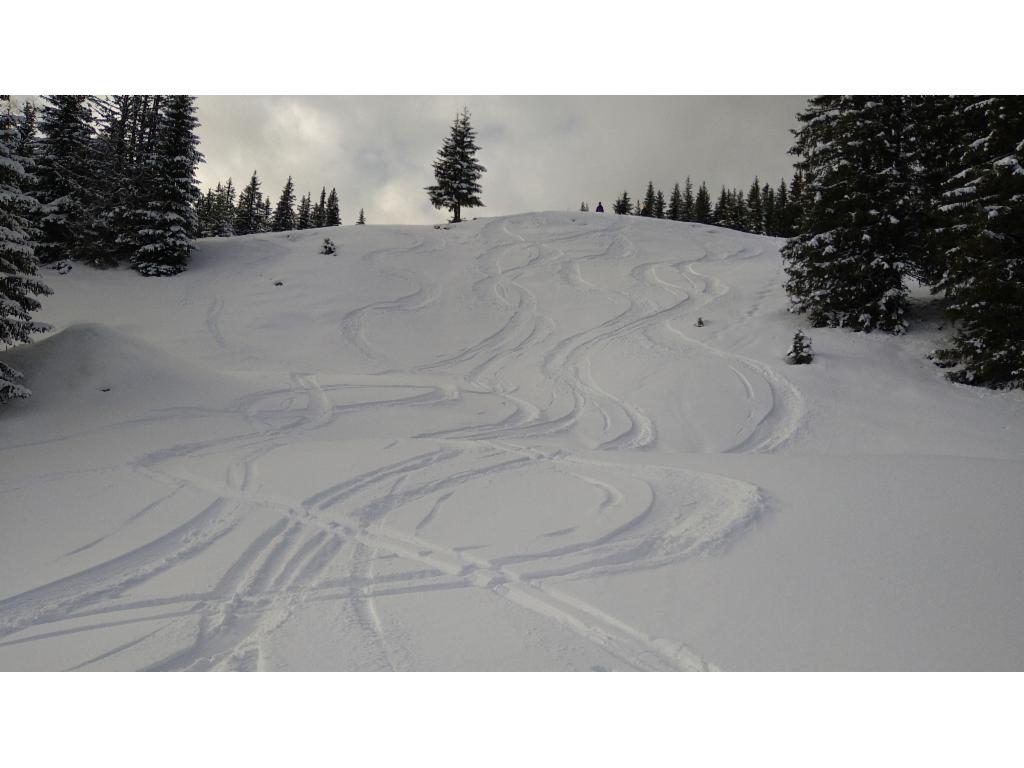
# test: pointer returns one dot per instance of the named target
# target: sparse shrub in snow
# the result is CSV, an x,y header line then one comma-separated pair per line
x,y
800,353
700,322
328,247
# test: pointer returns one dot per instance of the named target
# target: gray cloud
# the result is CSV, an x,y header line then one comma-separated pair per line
x,y
541,152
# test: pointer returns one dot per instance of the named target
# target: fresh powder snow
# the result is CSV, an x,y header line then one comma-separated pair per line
x,y
503,445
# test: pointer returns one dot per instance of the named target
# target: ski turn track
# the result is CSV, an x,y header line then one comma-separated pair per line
x,y
523,403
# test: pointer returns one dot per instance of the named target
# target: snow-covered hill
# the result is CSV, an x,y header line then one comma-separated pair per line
x,y
504,445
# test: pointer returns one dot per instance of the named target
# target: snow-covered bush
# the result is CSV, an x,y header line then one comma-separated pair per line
x,y
328,247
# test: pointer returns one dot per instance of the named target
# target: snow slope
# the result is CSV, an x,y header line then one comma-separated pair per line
x,y
504,445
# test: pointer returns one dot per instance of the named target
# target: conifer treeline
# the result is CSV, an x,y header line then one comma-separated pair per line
x,y
220,215
916,188
114,179
761,210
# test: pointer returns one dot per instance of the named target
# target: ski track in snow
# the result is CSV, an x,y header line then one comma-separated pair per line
x,y
323,548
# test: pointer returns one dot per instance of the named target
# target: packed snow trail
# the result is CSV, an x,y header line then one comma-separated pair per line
x,y
424,452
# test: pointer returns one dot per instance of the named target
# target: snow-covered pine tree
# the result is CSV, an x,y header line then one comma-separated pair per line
x,y
169,219
27,129
934,145
659,205
284,213
134,134
332,213
755,209
457,171
801,352
584,208
64,175
702,205
18,282
638,208
250,204
675,204
983,276
304,220
623,206
320,210
846,268
362,217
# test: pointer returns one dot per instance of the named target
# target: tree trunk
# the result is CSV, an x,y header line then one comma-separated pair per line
x,y
458,210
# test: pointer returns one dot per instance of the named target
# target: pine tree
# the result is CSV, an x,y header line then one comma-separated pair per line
x,y
722,215
284,214
801,352
27,127
638,208
225,211
584,208
64,173
18,282
250,201
266,216
702,205
740,215
934,147
623,206
783,227
457,171
131,132
320,210
755,209
847,266
688,211
798,203
170,220
332,214
362,217
768,203
659,205
675,204
304,220
649,200
983,275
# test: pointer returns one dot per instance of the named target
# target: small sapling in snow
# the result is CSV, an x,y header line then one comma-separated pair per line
x,y
800,353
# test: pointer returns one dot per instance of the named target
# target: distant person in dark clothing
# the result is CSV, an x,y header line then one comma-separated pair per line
x,y
600,208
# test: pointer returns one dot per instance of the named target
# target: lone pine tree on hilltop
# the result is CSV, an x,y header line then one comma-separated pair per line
x,y
457,170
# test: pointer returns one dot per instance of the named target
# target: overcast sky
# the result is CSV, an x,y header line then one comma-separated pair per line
x,y
541,152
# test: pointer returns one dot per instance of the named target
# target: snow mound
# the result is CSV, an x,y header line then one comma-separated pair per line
x,y
90,373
